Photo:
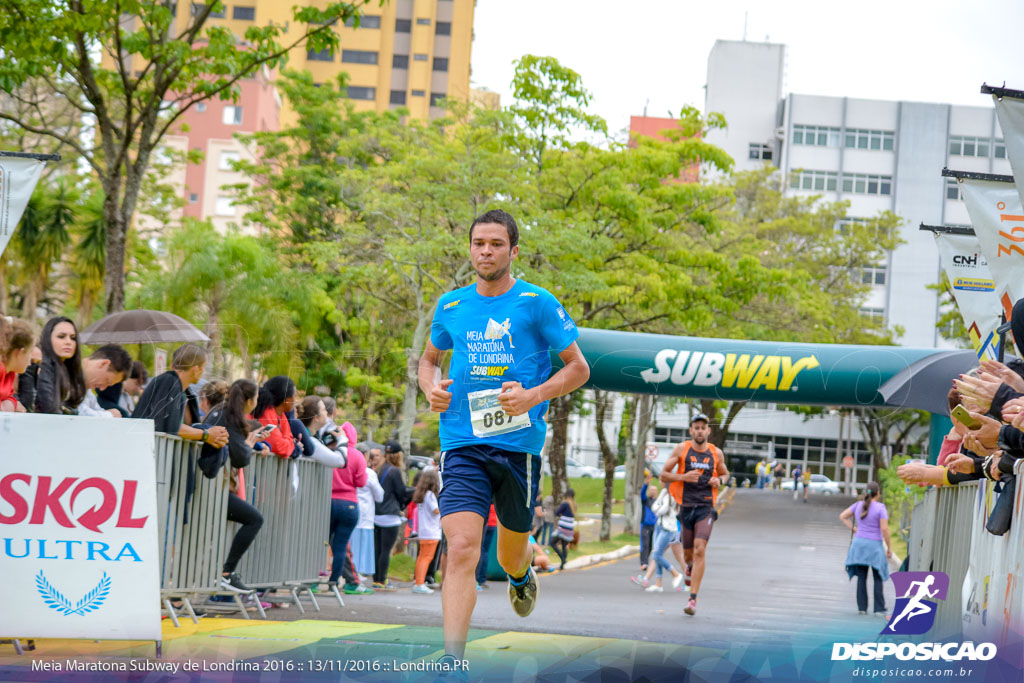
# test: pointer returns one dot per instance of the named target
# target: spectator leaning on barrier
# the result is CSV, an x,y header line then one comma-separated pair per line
x,y
388,520
59,384
172,407
344,511
104,367
313,416
123,395
230,414
16,340
277,397
953,453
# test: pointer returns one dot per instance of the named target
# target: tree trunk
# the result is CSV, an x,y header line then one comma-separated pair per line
x,y
635,470
116,238
720,426
602,401
558,417
412,380
626,428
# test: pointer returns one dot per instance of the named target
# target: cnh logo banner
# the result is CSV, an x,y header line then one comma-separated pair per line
x,y
916,593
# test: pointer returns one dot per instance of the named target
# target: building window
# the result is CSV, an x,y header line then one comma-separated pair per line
x,y
243,13
814,180
193,198
397,97
226,158
201,107
440,63
418,93
864,183
359,56
873,275
859,138
423,22
224,207
419,58
400,62
198,8
443,28
435,99
872,313
818,136
403,26
968,146
324,55
953,189
1000,149
760,152
367,21
359,92
232,115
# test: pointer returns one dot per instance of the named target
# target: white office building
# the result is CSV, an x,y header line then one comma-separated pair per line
x,y
879,155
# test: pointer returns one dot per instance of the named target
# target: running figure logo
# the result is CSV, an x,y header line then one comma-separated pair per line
x,y
914,612
496,330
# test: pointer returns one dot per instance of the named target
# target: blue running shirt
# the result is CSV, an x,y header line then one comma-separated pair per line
x,y
498,339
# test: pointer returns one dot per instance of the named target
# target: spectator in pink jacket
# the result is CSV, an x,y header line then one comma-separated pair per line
x,y
345,509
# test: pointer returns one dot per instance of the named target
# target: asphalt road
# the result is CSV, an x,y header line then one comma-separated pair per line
x,y
775,568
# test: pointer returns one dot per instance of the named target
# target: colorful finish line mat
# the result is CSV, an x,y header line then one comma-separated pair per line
x,y
239,650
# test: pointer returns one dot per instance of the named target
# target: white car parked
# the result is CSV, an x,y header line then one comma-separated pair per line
x,y
819,484
575,469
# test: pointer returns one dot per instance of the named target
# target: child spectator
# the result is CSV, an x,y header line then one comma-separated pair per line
x,y
428,526
15,356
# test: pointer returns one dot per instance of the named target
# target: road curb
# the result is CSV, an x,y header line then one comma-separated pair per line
x,y
588,560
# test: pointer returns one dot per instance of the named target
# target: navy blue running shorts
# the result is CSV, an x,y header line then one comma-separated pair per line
x,y
474,476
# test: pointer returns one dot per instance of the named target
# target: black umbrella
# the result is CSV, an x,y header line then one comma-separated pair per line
x,y
141,326
925,384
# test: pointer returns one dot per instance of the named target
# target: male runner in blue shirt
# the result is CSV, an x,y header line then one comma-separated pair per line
x,y
492,406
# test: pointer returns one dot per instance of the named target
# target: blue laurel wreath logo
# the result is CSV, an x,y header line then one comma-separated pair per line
x,y
56,600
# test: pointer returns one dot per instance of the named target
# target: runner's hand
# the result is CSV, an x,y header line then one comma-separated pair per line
x,y
514,399
440,397
690,477
715,482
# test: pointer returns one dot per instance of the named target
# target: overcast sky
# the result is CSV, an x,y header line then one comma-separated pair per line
x,y
629,52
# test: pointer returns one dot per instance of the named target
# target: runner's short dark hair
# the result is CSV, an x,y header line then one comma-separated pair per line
x,y
498,217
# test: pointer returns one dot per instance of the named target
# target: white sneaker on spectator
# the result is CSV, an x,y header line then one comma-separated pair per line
x,y
421,588
655,589
676,580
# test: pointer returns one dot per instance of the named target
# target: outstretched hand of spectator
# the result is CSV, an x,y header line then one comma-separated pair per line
x,y
982,389
253,437
914,472
1013,413
1005,374
964,464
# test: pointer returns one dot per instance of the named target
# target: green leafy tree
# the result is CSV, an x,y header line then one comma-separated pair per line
x,y
41,242
133,68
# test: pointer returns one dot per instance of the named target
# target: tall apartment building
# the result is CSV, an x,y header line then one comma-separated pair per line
x,y
410,53
878,155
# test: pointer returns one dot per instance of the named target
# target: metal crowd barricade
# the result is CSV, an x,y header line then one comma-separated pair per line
x,y
192,529
940,541
294,497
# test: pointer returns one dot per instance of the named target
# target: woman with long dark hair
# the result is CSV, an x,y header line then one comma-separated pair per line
x,y
60,384
277,397
869,519
387,521
241,399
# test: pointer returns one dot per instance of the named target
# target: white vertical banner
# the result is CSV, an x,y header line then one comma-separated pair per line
x,y
1010,111
78,528
18,178
995,210
973,289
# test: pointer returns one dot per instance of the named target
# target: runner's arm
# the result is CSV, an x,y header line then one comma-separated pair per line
x,y
429,375
721,473
516,400
668,473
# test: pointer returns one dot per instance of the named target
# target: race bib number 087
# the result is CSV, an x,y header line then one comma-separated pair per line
x,y
488,417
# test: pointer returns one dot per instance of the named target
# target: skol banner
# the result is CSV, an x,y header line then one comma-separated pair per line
x,y
973,289
1010,111
18,178
995,210
78,528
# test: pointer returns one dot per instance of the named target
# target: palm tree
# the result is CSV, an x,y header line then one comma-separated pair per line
x,y
90,257
44,237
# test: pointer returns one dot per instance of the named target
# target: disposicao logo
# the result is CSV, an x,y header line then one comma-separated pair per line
x,y
914,614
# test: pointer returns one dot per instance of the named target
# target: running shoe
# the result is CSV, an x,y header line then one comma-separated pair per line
x,y
233,582
422,589
640,580
448,668
691,607
357,589
677,580
524,597
654,589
